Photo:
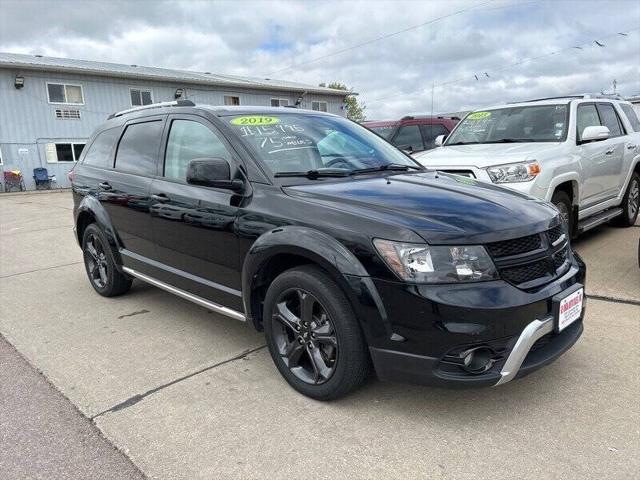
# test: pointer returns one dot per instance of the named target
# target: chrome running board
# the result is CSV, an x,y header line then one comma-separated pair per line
x,y
186,295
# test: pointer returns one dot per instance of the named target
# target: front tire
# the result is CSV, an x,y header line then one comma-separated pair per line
x,y
630,203
100,266
312,334
562,202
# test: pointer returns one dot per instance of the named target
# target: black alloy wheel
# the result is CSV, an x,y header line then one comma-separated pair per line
x,y
101,269
313,334
95,259
305,336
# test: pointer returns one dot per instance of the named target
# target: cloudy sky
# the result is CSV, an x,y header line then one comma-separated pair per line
x,y
446,43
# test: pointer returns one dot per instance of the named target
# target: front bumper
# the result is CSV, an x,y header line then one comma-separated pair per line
x,y
429,325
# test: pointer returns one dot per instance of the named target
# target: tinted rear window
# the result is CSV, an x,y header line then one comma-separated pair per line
x,y
99,153
631,115
138,148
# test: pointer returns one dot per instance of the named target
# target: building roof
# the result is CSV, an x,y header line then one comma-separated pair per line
x,y
87,67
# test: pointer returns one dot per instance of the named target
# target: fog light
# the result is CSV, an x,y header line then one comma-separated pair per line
x,y
477,360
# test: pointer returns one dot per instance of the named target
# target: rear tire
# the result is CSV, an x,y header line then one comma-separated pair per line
x,y
100,266
562,202
312,334
630,203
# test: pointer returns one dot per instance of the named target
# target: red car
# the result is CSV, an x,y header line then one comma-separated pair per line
x,y
413,133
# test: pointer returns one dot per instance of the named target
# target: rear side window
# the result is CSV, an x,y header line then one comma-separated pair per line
x,y
409,136
138,148
99,153
188,141
610,119
587,117
631,115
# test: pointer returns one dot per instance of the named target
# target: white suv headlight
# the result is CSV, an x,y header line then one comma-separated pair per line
x,y
514,172
419,263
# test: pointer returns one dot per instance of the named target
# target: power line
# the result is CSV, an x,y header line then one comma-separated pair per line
x,y
590,43
377,39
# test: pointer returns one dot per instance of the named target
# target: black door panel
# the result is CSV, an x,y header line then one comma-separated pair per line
x,y
127,203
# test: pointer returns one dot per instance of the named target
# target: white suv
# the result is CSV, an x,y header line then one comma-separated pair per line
x,y
582,153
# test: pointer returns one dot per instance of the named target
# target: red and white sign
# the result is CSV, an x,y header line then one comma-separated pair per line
x,y
570,309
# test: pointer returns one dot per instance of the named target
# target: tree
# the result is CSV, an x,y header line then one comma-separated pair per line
x,y
355,109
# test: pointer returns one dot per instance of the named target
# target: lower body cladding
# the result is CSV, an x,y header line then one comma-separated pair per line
x,y
475,334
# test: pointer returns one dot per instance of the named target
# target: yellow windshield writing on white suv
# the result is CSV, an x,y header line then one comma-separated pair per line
x,y
479,115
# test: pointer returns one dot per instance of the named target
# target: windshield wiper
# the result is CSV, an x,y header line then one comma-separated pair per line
x,y
387,167
462,143
313,174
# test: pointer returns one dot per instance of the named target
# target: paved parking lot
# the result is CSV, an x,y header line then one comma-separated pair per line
x,y
189,394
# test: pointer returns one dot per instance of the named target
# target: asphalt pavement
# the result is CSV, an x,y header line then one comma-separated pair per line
x,y
185,393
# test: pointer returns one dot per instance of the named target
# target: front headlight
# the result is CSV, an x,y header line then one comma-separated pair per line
x,y
514,172
418,263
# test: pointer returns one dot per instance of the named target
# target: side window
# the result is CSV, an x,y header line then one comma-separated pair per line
x,y
99,153
188,141
631,115
587,117
610,119
409,136
430,132
138,148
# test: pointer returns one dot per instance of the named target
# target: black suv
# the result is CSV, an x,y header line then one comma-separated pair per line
x,y
343,249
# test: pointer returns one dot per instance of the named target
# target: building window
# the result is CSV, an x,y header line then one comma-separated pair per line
x,y
0,157
68,113
319,106
140,97
63,152
229,100
279,102
65,93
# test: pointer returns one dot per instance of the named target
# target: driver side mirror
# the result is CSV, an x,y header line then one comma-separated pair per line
x,y
212,172
594,133
439,140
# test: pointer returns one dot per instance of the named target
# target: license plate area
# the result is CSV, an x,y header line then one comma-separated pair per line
x,y
568,307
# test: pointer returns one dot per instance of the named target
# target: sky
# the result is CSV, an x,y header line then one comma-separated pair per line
x,y
402,57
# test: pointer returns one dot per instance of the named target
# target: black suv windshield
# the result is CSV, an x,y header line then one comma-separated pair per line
x,y
291,143
544,123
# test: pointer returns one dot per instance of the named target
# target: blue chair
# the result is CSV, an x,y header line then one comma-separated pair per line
x,y
42,178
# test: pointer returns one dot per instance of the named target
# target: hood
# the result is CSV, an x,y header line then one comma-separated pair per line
x,y
485,154
441,208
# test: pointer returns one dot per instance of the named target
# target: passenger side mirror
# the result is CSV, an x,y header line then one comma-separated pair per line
x,y
212,172
594,133
439,140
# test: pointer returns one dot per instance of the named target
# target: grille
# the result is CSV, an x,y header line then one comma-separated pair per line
x,y
559,258
516,246
555,233
526,273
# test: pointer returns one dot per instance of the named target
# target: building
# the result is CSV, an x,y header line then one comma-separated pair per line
x,y
50,106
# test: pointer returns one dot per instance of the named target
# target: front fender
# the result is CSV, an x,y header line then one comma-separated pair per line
x,y
91,206
325,251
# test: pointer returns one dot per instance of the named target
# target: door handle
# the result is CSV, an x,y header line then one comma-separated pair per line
x,y
160,197
609,152
105,186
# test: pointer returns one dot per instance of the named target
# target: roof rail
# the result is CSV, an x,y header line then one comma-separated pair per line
x,y
175,103
613,96
438,117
